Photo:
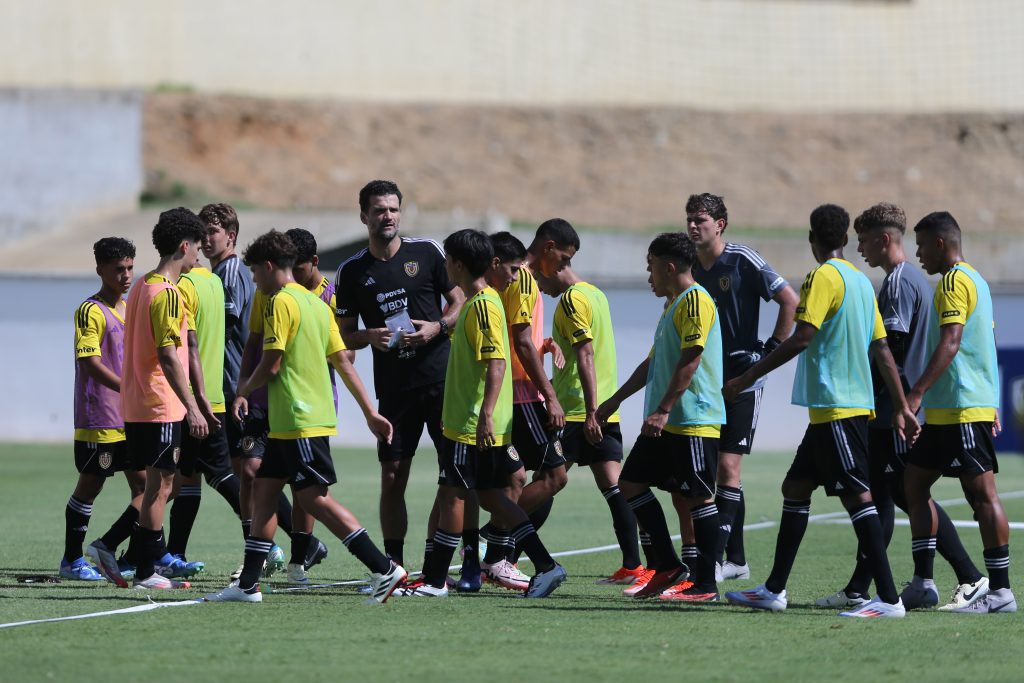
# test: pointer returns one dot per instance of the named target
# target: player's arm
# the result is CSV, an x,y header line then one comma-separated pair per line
x,y
94,369
940,360
588,382
198,382
682,375
785,352
166,316
787,300
492,389
89,329
636,382
529,356
904,420
428,329
378,424
265,370
356,338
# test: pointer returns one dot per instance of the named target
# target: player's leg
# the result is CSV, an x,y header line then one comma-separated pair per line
x,y
605,460
405,412
78,512
688,539
736,441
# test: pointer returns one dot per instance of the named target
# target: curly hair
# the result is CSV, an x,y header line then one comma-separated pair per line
x,y
879,216
273,246
305,244
112,249
173,227
829,224
708,203
675,247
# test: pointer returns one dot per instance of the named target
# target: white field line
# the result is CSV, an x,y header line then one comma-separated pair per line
x,y
127,610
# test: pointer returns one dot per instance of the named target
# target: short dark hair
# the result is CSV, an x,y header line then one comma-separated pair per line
x,y
377,188
881,216
112,249
272,246
507,247
675,247
559,231
708,203
940,224
174,226
305,244
471,248
223,215
829,223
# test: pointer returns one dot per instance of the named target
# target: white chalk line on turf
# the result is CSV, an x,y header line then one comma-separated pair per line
x,y
126,610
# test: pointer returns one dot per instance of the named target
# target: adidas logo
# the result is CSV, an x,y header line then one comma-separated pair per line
x,y
839,487
888,469
369,281
955,463
743,442
684,487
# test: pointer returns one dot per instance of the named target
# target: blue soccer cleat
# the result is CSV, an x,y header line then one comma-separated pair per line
x,y
79,570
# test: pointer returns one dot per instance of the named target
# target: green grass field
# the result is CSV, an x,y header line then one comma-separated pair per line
x,y
582,632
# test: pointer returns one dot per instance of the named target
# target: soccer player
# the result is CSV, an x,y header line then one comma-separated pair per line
x,y
202,293
477,452
392,275
839,330
737,278
155,392
99,428
959,390
582,329
904,301
299,333
678,442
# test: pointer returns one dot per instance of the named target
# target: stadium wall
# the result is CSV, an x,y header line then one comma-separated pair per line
x,y
784,55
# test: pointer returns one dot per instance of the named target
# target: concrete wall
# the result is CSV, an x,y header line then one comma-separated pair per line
x,y
886,55
67,157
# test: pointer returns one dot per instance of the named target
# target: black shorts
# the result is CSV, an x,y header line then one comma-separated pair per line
x,y
210,456
957,450
153,444
740,422
302,462
576,449
674,462
101,459
834,455
539,449
464,466
253,430
408,412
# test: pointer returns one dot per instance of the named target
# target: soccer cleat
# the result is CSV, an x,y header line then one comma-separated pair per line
x,y
237,574
660,581
384,585
623,577
999,601
421,589
79,570
275,561
759,598
175,567
296,575
106,563
544,584
469,578
317,553
672,590
693,594
506,575
159,582
126,568
235,594
966,594
919,593
731,570
877,608
639,584
841,599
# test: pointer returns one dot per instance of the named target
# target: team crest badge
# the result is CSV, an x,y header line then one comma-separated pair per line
x,y
106,459
412,268
248,443
513,453
176,454
558,448
724,283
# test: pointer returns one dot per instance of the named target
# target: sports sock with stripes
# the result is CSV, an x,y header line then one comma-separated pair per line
x,y
997,562
688,554
923,550
497,539
650,515
791,532
869,537
226,484
512,552
727,498
705,529
76,525
300,546
395,549
121,529
184,510
365,550
734,550
947,544
526,537
471,547
256,551
624,523
537,518
435,568
284,513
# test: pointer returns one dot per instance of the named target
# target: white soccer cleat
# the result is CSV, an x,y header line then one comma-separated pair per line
x,y
877,608
544,584
999,601
841,599
296,575
506,575
383,585
919,594
420,589
275,561
158,582
731,570
759,598
966,594
235,594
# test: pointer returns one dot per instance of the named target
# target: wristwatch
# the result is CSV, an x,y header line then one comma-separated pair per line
x,y
444,327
